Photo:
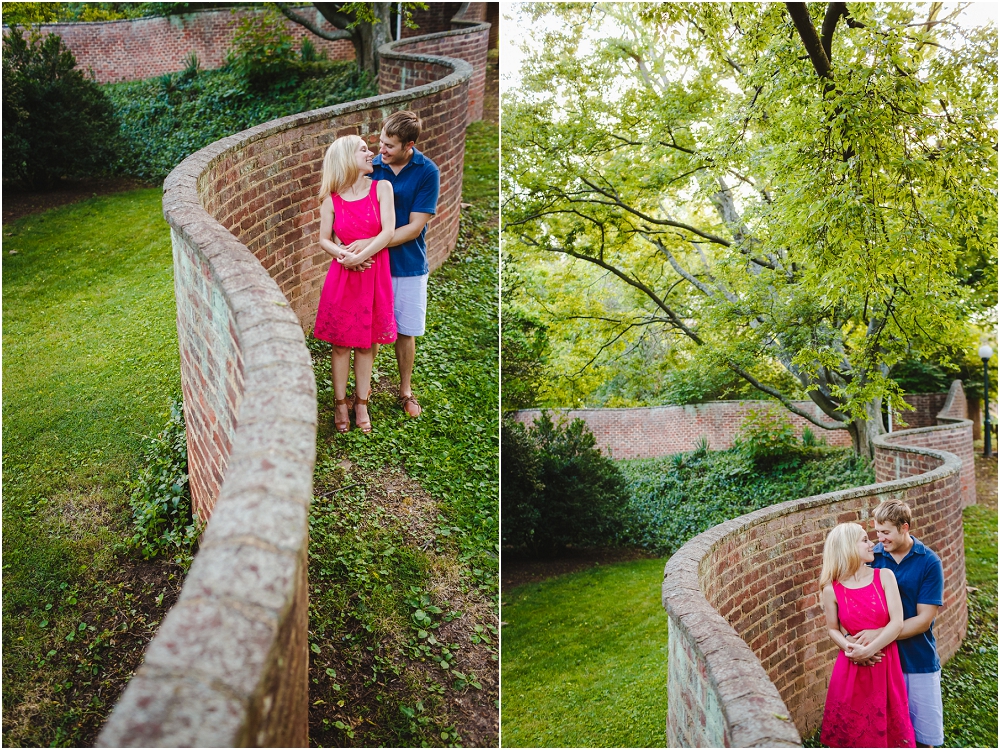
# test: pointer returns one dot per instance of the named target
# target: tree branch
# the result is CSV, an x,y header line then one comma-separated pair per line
x,y
787,402
330,36
810,39
833,13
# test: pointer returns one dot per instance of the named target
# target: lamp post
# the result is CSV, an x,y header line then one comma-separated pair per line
x,y
985,352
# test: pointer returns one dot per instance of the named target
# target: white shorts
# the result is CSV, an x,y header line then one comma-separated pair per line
x,y
923,691
409,302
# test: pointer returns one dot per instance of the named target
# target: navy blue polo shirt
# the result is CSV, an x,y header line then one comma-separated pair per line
x,y
921,581
415,190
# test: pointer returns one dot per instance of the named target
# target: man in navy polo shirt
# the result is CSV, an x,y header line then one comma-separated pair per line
x,y
920,578
416,182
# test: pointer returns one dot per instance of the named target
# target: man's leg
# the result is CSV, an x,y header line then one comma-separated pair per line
x,y
410,305
923,692
406,351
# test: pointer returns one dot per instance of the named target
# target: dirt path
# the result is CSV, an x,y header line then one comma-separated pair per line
x,y
18,204
516,570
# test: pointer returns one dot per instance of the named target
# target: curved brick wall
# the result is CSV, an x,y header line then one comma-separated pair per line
x,y
229,664
651,431
130,50
749,659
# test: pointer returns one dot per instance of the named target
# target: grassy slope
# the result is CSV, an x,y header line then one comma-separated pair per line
x,y
90,360
585,658
404,528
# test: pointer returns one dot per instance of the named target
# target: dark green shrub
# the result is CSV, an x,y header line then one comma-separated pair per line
x,y
262,50
568,492
308,53
161,499
192,66
521,484
809,439
56,122
766,438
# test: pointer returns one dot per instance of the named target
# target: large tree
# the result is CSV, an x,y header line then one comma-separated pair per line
x,y
808,185
366,24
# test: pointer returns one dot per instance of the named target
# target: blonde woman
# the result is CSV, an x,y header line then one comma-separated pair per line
x,y
866,701
357,221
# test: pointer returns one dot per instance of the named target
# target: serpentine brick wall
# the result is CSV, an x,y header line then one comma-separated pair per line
x,y
130,50
749,658
134,49
647,432
229,664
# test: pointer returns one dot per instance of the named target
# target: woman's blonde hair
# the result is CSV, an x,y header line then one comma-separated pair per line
x,y
340,169
840,552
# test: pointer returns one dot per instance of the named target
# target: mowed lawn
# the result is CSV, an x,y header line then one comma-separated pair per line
x,y
89,365
584,659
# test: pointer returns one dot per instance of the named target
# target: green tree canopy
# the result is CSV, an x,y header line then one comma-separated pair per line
x,y
810,185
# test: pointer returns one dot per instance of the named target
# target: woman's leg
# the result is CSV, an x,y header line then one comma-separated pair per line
x,y
363,362
340,368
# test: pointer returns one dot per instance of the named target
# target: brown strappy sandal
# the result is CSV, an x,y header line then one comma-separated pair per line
x,y
404,403
344,426
365,427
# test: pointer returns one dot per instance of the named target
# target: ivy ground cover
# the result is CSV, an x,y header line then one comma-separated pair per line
x,y
404,525
90,362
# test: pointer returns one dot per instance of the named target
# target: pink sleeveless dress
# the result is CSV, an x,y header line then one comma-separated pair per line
x,y
866,706
355,307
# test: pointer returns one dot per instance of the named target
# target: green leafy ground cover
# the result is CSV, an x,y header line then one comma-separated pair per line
x,y
165,119
969,679
404,524
676,497
90,360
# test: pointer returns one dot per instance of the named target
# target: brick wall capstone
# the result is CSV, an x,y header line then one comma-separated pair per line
x,y
229,664
749,659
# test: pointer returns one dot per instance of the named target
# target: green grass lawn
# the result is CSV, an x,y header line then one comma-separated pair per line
x,y
585,659
89,364
969,679
404,526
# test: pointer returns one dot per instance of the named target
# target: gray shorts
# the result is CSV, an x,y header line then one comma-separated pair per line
x,y
409,302
923,691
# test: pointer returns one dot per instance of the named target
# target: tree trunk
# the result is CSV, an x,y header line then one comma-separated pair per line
x,y
368,37
864,431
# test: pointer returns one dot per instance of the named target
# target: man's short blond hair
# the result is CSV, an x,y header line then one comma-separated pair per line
x,y
895,512
403,125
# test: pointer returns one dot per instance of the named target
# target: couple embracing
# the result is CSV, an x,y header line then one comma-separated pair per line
x,y
880,601
373,219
